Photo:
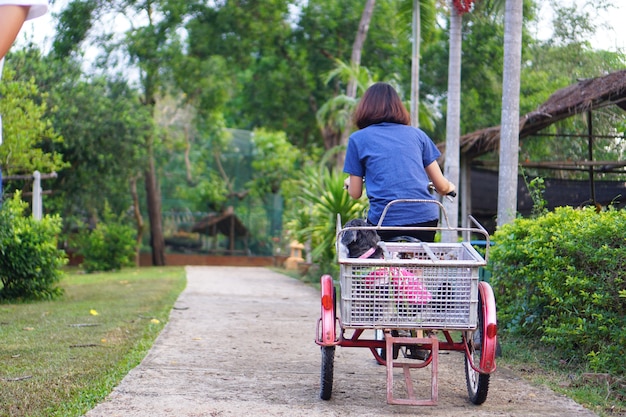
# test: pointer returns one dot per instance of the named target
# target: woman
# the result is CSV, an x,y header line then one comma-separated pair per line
x,y
394,161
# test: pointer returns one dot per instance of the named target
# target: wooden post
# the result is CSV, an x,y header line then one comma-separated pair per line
x,y
592,183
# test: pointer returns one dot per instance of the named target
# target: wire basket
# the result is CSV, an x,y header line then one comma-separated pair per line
x,y
416,285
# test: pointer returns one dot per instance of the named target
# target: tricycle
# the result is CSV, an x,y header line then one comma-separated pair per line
x,y
418,299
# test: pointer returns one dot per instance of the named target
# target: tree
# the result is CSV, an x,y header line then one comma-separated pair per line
x,y
357,46
26,132
423,18
453,118
509,133
415,63
102,124
152,46
274,162
253,49
355,62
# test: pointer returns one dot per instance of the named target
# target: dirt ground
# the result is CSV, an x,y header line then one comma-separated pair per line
x,y
240,342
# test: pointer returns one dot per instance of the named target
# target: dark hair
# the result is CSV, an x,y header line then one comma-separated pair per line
x,y
380,103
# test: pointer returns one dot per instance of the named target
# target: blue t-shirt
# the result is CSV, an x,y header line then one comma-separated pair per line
x,y
391,157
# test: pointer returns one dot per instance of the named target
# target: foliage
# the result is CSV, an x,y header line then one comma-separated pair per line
x,y
104,129
334,115
25,129
30,263
536,188
322,199
274,161
102,124
109,246
265,64
262,72
560,278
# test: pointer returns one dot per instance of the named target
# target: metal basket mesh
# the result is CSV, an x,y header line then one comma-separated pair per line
x,y
418,286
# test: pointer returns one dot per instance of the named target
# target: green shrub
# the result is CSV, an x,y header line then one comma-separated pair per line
x,y
109,246
30,261
322,198
561,278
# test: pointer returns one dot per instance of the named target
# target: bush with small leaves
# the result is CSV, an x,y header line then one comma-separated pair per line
x,y
560,278
109,246
30,261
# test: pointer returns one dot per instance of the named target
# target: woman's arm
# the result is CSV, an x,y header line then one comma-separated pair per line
x,y
354,185
442,185
11,19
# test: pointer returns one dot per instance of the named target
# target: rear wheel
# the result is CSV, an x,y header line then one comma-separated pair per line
x,y
477,383
328,365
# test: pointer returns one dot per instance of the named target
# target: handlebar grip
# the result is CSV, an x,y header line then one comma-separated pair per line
x,y
452,194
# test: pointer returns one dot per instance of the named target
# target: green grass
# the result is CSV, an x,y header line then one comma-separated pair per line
x,y
60,358
535,362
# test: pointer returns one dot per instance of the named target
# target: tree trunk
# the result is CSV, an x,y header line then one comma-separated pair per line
x,y
357,46
509,132
355,62
415,65
153,201
453,120
138,216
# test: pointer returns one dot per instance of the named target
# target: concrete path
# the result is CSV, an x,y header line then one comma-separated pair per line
x,y
240,342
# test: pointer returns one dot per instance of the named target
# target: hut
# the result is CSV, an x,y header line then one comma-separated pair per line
x,y
477,184
227,224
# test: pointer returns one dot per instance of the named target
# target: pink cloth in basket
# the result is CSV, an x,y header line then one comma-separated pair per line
x,y
405,284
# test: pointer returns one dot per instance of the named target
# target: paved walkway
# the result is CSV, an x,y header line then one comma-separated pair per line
x,y
240,342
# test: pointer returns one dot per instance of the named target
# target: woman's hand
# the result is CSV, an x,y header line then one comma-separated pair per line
x,y
451,189
441,183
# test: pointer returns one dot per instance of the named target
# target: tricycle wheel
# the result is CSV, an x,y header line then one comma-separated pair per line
x,y
328,364
477,383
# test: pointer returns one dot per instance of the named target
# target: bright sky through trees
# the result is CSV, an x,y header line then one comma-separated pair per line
x,y
610,38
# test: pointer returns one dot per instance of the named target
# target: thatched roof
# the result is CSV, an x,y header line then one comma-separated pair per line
x,y
226,223
578,98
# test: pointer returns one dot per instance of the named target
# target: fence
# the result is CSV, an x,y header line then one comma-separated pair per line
x,y
36,193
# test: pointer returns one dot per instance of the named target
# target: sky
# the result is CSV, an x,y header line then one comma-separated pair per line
x,y
611,38
611,30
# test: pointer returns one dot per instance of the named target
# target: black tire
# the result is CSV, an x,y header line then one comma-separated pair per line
x,y
477,383
328,365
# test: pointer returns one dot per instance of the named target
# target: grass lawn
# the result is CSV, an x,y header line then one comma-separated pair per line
x,y
602,393
62,357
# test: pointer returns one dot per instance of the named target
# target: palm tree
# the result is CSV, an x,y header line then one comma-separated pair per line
x,y
415,63
359,40
509,131
333,119
453,118
355,62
